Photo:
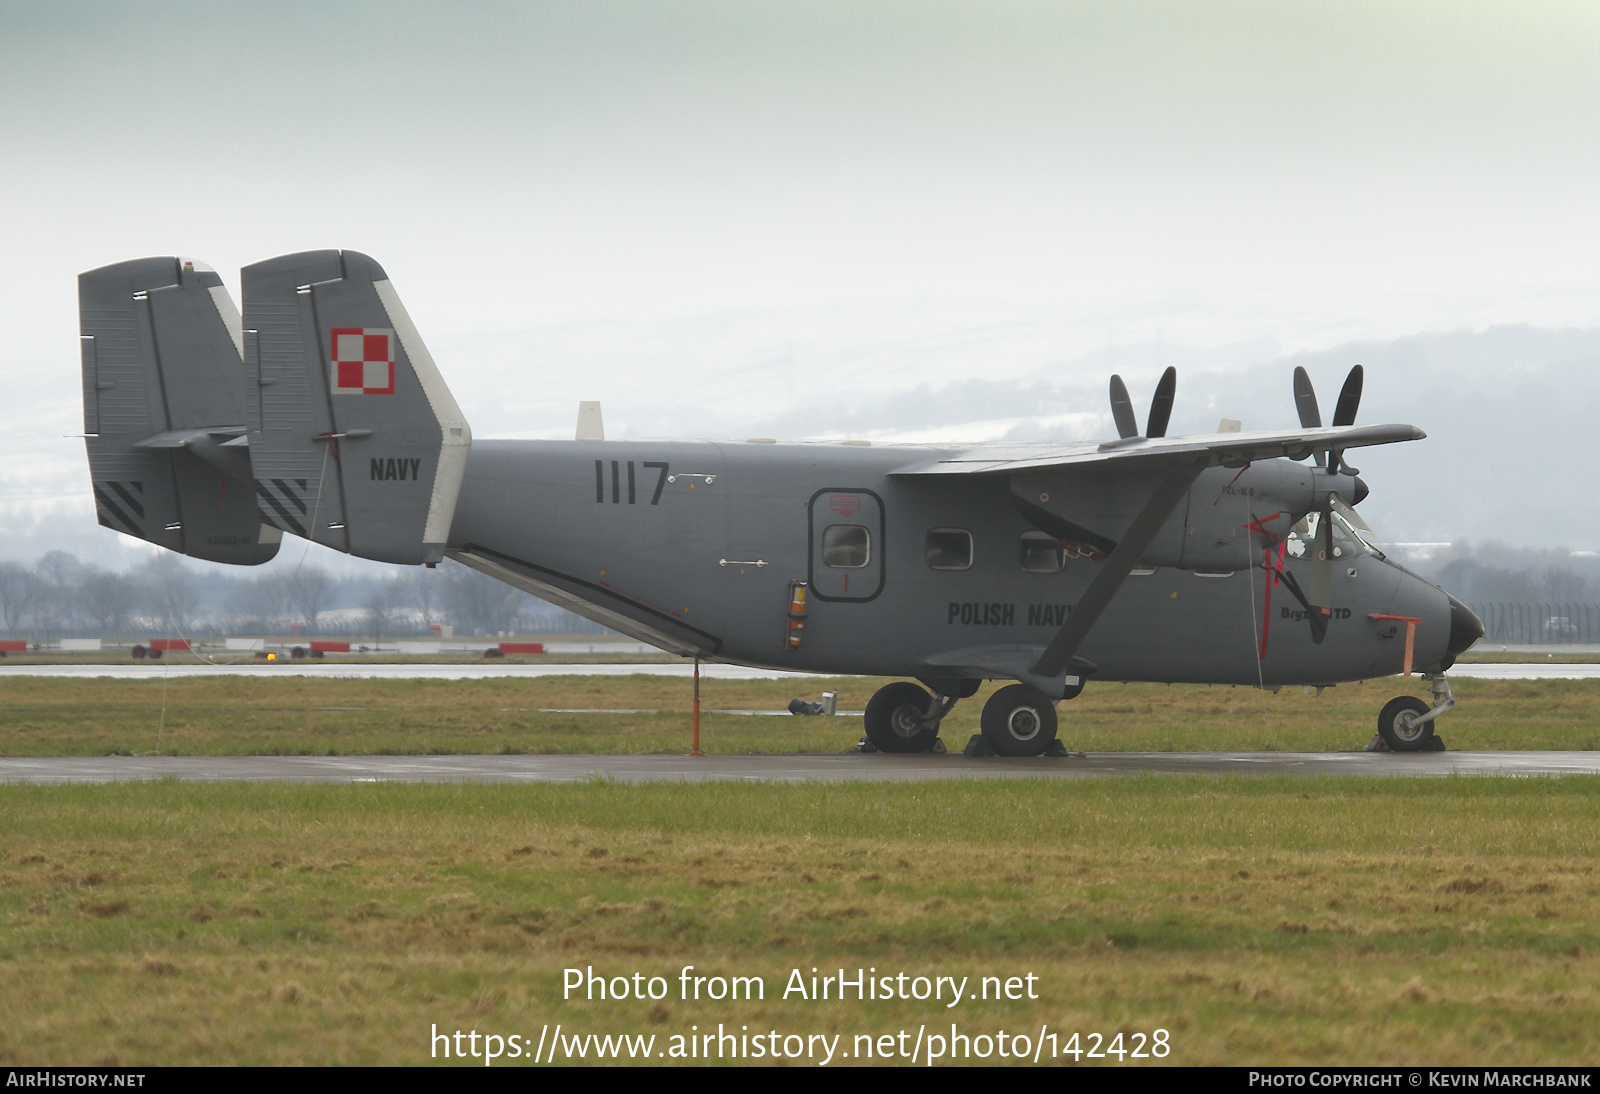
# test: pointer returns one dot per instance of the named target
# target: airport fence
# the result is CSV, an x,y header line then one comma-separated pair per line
x,y
1533,622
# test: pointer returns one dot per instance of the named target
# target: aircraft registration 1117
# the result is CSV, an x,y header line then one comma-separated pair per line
x,y
1225,558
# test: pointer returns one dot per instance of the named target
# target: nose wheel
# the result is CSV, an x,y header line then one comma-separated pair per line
x,y
1406,723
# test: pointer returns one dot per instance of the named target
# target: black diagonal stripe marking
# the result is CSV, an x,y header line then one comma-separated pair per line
x,y
122,492
289,523
110,507
137,485
294,499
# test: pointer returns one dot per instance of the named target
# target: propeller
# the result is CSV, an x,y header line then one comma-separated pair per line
x,y
1160,406
1344,411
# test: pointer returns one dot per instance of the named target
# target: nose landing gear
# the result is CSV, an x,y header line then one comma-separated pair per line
x,y
1406,724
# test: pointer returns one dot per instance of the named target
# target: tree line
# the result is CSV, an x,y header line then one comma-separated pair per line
x,y
62,596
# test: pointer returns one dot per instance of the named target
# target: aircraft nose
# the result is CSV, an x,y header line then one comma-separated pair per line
x,y
1361,493
1465,629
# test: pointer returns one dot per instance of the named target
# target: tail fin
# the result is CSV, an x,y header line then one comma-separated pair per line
x,y
355,440
163,410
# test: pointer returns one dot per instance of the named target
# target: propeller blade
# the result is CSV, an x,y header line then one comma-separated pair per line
x,y
1319,589
1305,400
1122,408
1161,403
1344,411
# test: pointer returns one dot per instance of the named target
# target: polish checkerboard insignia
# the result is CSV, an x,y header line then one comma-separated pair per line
x,y
363,361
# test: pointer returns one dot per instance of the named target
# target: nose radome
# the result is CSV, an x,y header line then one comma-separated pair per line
x,y
1465,629
1361,491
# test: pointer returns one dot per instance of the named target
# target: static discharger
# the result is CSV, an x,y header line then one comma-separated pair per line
x,y
797,613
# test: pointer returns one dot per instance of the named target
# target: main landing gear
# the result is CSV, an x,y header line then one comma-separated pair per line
x,y
1017,720
1406,724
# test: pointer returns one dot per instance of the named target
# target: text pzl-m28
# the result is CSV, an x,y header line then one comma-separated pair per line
x,y
1225,558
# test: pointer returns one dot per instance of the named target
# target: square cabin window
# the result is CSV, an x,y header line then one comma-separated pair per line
x,y
1041,554
846,546
949,549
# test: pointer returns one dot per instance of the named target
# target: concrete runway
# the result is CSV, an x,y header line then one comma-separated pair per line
x,y
841,767
483,671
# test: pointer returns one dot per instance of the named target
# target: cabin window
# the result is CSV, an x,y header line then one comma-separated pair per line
x,y
949,549
1042,553
846,546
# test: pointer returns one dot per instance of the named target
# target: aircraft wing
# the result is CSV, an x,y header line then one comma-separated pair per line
x,y
1227,449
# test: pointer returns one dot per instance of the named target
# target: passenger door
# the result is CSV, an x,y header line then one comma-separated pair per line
x,y
846,559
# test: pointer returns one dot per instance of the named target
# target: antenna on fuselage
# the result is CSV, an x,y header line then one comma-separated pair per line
x,y
590,427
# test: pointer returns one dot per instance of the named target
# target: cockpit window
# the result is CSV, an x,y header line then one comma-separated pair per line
x,y
1351,535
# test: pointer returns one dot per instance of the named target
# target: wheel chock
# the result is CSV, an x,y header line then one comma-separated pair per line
x,y
938,746
978,746
864,745
1435,744
1056,748
1377,744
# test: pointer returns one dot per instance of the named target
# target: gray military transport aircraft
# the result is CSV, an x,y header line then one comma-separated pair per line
x,y
1227,558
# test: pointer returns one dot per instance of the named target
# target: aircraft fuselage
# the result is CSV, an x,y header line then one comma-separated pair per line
x,y
695,545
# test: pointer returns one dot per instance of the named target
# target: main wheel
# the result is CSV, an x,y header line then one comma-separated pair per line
x,y
895,719
1019,721
1398,726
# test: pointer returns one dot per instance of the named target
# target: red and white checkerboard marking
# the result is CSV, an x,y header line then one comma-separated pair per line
x,y
363,361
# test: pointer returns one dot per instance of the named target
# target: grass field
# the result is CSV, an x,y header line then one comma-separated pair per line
x,y
1257,920
299,716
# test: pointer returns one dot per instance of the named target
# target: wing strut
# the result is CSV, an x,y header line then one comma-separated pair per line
x,y
1115,569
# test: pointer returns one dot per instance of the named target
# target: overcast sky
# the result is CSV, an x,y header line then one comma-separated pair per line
x,y
641,179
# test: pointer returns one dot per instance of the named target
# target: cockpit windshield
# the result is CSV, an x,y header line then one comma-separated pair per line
x,y
1352,536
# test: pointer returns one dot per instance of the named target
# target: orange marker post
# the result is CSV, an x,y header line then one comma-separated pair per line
x,y
696,751
1411,622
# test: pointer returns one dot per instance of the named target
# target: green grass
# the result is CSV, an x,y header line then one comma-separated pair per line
x,y
294,715
1258,920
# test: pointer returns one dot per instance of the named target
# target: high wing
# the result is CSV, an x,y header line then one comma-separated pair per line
x,y
1168,466
1154,453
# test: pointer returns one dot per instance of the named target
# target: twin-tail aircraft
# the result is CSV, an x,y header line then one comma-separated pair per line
x,y
1226,558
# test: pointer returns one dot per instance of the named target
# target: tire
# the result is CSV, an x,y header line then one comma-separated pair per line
x,y
155,655
298,653
894,719
1019,721
1396,728
138,653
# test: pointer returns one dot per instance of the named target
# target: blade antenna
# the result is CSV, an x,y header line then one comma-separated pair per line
x,y
1161,403
1122,409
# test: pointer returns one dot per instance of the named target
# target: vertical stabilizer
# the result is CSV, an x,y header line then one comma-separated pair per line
x,y
163,410
355,439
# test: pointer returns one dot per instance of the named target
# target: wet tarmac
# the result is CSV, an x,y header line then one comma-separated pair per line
x,y
844,767
175,668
